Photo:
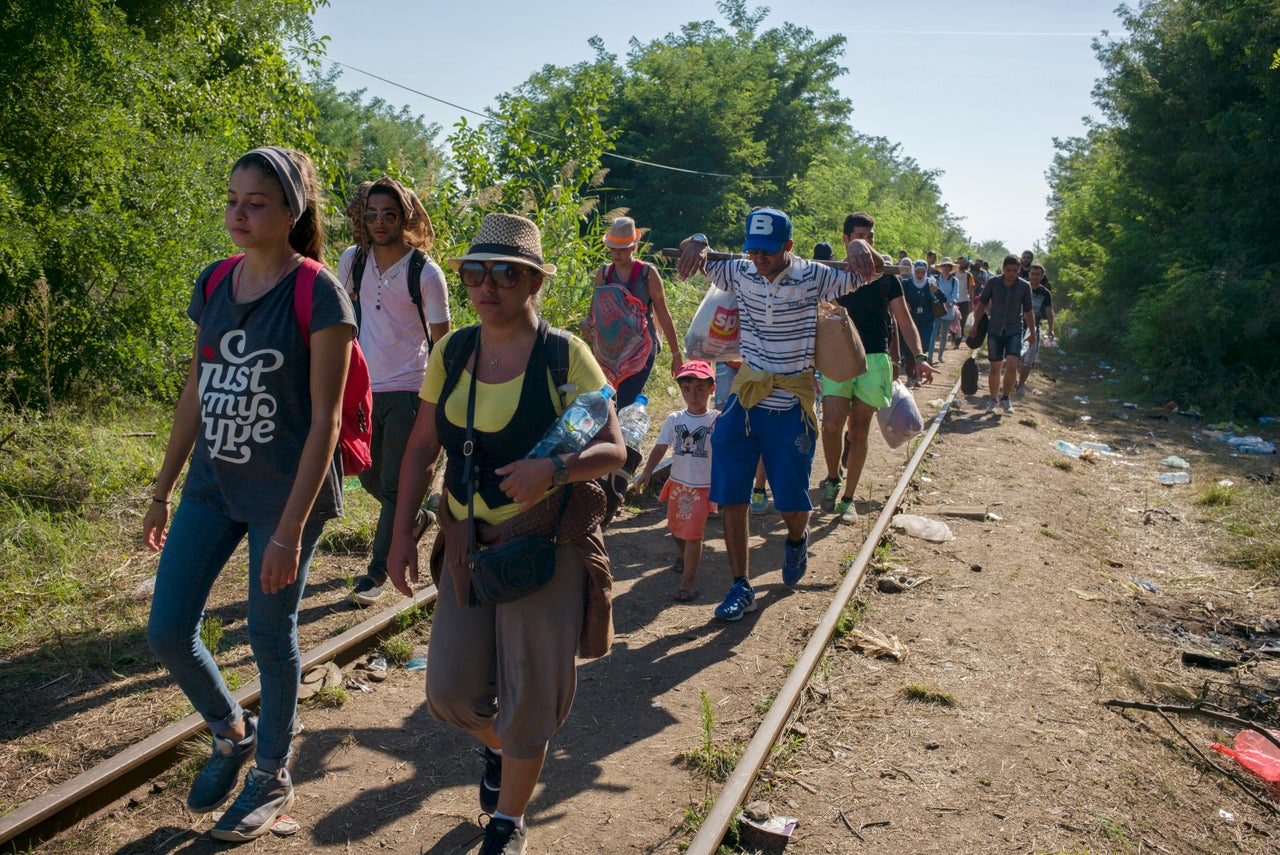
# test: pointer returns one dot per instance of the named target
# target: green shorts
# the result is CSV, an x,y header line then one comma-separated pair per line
x,y
875,388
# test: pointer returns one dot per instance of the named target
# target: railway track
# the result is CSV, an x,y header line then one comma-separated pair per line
x,y
45,816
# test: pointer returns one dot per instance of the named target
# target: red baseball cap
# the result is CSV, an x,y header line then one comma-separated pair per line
x,y
698,368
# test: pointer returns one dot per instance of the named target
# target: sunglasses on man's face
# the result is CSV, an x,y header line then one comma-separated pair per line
x,y
751,253
505,274
388,217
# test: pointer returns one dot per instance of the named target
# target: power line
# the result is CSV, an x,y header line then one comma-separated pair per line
x,y
490,117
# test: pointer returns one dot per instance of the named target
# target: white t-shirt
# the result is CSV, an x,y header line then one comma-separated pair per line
x,y
690,439
778,321
390,329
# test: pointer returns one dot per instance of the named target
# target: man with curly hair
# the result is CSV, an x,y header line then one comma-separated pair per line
x,y
401,308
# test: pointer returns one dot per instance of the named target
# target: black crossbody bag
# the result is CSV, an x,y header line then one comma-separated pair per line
x,y
519,567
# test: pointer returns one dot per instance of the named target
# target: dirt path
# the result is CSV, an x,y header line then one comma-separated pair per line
x,y
1028,647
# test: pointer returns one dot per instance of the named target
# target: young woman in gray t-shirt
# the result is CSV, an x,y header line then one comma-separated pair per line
x,y
258,419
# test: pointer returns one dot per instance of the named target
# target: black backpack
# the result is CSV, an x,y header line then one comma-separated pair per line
x,y
417,261
457,353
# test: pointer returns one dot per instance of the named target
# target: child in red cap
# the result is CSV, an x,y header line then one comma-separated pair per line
x,y
688,490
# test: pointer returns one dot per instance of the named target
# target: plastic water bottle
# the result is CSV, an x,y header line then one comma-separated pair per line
x,y
576,426
1067,448
634,418
1168,478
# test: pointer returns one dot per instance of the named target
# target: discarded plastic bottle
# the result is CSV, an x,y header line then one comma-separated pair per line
x,y
1175,462
1168,478
634,419
576,426
1067,448
1100,447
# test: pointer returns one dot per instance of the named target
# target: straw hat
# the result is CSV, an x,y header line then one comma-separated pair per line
x,y
946,262
622,234
506,237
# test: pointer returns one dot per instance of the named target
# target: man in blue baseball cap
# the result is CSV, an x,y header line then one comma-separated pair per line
x,y
770,415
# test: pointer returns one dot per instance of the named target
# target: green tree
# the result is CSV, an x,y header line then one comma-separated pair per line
x,y
517,162
870,174
752,106
366,140
1166,216
121,119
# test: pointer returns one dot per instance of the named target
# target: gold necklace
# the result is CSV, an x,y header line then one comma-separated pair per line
x,y
236,296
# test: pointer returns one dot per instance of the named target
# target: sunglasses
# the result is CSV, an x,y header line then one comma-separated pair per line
x,y
504,274
753,252
388,217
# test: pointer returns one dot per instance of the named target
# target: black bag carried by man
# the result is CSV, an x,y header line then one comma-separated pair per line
x,y
969,377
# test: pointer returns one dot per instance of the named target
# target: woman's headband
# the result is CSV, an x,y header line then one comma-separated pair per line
x,y
290,177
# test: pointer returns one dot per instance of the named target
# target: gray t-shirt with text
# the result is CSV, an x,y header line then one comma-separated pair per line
x,y
253,381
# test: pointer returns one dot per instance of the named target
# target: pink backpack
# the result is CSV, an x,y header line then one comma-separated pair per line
x,y
356,430
620,320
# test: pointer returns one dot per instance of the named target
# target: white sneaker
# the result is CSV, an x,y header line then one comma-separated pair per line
x,y
1006,405
991,405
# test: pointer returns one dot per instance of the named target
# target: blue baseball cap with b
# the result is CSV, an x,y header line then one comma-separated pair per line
x,y
768,229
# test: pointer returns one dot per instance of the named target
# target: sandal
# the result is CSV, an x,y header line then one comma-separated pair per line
x,y
686,595
678,566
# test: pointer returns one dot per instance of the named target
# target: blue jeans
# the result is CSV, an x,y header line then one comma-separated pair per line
x,y
200,541
393,416
725,375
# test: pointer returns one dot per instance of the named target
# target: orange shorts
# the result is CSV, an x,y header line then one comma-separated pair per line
x,y
687,509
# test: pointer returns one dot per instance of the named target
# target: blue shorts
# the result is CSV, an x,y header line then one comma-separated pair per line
x,y
784,439
1001,347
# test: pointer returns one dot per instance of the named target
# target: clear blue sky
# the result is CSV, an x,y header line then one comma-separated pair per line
x,y
976,89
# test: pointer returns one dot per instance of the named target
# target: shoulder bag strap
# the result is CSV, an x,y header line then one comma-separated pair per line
x,y
418,263
468,469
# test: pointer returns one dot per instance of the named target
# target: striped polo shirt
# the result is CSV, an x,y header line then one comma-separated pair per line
x,y
777,320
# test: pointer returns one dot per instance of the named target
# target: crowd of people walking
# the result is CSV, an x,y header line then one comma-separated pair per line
x,y
451,428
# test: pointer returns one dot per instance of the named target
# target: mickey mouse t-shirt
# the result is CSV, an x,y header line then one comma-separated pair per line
x,y
253,379
690,439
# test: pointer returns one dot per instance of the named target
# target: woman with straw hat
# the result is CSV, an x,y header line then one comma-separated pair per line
x,y
628,297
504,673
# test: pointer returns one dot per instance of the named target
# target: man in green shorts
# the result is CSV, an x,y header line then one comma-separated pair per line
x,y
856,401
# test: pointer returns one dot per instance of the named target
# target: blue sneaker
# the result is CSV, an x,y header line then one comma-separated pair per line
x,y
759,502
218,777
740,600
262,801
795,560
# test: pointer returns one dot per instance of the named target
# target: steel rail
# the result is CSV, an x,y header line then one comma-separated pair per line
x,y
711,833
44,815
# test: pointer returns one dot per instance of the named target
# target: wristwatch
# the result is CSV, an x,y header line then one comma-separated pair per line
x,y
560,476
699,238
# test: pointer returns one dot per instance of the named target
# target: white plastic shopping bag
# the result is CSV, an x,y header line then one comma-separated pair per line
x,y
901,420
713,334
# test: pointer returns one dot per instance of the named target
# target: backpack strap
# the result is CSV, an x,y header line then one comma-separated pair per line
x,y
222,271
358,262
642,285
417,263
456,353
558,360
303,291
